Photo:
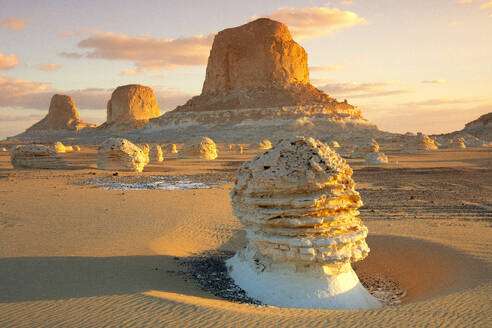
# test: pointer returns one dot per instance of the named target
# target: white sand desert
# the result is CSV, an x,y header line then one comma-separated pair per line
x,y
135,228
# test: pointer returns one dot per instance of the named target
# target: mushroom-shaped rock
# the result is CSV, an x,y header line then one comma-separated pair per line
x,y
59,147
376,158
199,147
265,144
132,105
120,154
155,154
36,157
298,204
62,115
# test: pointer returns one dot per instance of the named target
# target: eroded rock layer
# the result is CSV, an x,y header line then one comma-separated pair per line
x,y
120,154
36,157
199,147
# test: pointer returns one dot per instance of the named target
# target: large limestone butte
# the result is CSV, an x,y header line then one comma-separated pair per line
x,y
257,87
132,106
255,64
62,115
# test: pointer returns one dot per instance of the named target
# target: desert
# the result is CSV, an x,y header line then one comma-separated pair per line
x,y
262,198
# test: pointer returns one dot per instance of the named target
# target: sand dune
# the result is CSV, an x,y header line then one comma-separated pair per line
x,y
75,255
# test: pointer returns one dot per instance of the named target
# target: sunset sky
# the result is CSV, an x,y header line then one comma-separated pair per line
x,y
409,65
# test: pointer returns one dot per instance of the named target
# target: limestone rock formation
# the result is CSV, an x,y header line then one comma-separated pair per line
x,y
36,157
420,142
376,158
477,133
155,154
264,145
3,149
76,148
256,87
120,154
131,106
298,204
453,143
62,115
335,144
481,127
362,148
240,149
59,147
199,147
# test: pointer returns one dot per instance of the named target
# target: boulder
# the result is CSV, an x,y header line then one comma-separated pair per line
x,y
199,147
376,158
121,155
36,157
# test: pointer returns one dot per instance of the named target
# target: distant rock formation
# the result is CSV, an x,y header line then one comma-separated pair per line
x,y
264,145
364,147
419,142
131,106
36,157
62,115
155,154
376,158
59,147
199,147
257,87
120,154
477,133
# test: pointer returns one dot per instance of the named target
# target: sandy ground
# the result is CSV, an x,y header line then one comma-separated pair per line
x,y
75,255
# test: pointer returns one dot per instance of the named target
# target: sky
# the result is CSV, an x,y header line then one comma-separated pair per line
x,y
408,65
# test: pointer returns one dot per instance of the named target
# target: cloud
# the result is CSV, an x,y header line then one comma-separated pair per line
x,y
14,23
433,81
71,55
48,67
486,5
465,1
315,22
332,68
147,53
131,72
64,34
36,95
8,62
361,90
347,3
444,101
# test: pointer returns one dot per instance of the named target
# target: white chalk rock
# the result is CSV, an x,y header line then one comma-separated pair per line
x,y
298,204
454,143
36,157
155,154
264,145
376,158
120,154
335,144
76,148
199,147
420,142
59,147
365,147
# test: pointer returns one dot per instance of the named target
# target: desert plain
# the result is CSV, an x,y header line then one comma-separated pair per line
x,y
73,254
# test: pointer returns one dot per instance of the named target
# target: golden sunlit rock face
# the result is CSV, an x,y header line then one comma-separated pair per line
x,y
132,103
121,154
255,64
199,147
62,115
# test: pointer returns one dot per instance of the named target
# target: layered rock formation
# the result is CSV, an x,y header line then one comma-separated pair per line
x,y
477,133
62,115
120,154
376,158
155,154
298,204
257,86
131,106
36,157
481,127
199,147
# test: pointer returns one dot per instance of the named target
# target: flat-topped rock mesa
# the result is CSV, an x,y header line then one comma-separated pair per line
x,y
257,87
62,115
131,106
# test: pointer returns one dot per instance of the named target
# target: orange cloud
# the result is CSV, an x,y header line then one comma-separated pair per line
x,y
433,81
8,62
347,3
64,34
14,23
131,72
315,22
332,68
361,90
37,95
486,5
48,67
152,54
71,55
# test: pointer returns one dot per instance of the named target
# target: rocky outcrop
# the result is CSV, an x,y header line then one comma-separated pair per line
x,y
364,147
62,115
200,147
121,155
59,147
477,133
418,142
376,158
481,127
36,157
298,204
131,106
155,154
264,144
